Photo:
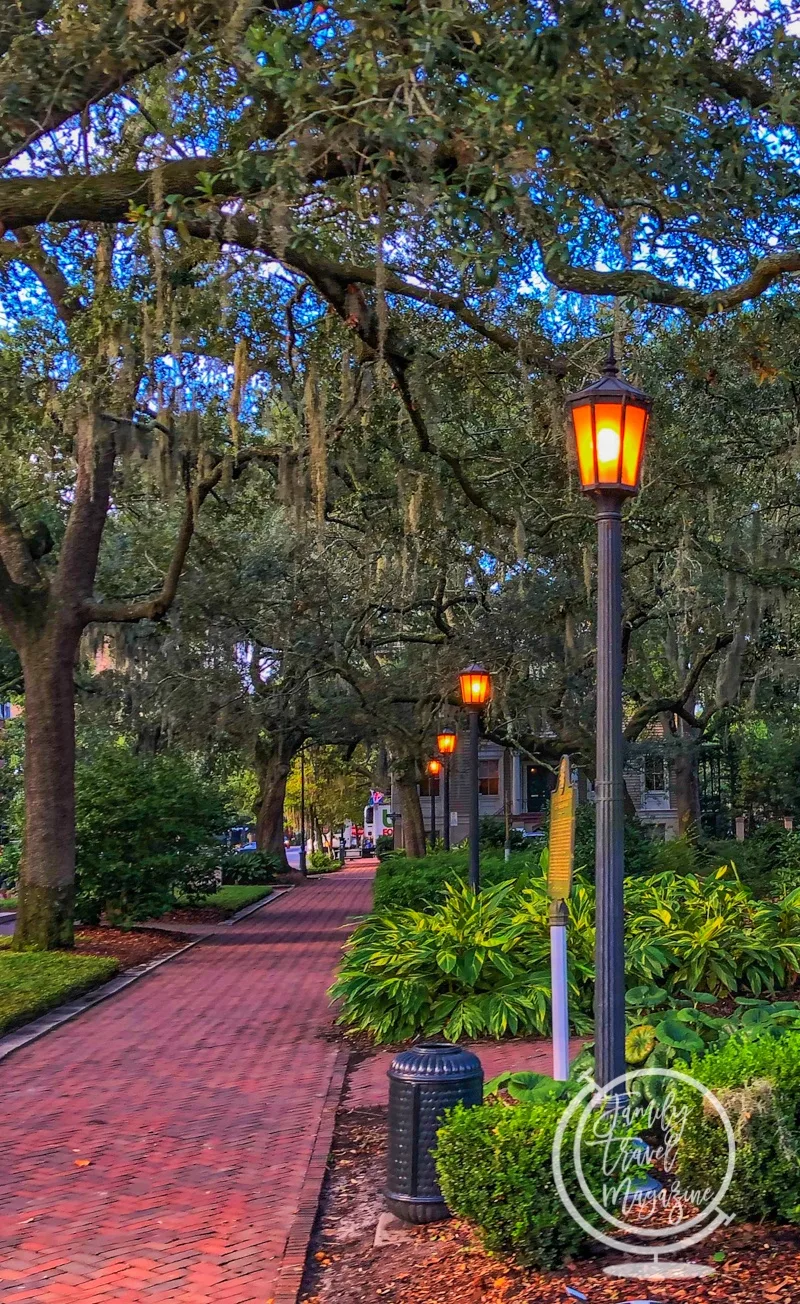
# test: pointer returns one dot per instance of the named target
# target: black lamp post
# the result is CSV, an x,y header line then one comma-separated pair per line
x,y
434,769
446,742
303,866
609,420
476,691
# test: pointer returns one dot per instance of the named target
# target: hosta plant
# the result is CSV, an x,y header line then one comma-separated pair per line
x,y
479,966
472,967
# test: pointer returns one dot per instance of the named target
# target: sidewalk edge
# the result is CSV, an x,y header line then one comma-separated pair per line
x,y
293,1261
61,1014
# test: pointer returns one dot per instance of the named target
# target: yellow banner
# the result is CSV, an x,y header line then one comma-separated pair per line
x,y
562,835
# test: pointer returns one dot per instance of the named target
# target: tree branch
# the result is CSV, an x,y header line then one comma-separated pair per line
x,y
676,705
48,77
156,607
652,289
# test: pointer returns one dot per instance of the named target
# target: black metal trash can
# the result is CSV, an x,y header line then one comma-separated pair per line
x,y
423,1083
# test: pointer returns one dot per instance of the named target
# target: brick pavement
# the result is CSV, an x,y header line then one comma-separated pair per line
x,y
367,1085
203,1099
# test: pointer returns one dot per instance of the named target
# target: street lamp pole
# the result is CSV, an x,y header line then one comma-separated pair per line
x,y
434,769
303,866
474,802
446,742
476,691
609,421
610,803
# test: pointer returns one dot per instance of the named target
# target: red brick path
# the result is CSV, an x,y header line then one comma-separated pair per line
x,y
203,1099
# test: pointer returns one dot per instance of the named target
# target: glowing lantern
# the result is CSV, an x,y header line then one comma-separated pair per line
x,y
434,767
476,686
446,742
610,419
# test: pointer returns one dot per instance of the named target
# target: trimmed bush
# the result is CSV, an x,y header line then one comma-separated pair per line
x,y
495,1168
758,1083
248,866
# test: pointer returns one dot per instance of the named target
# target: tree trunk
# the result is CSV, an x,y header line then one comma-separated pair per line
x,y
47,871
686,791
411,813
272,774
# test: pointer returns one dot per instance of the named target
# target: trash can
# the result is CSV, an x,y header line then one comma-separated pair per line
x,y
423,1083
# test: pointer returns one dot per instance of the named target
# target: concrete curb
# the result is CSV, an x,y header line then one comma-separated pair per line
x,y
61,1014
293,1260
209,930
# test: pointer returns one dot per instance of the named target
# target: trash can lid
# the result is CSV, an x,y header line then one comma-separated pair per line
x,y
430,1060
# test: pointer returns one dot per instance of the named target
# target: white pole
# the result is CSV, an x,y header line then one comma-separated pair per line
x,y
558,977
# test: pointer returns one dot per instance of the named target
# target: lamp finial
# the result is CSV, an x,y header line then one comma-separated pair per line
x,y
611,368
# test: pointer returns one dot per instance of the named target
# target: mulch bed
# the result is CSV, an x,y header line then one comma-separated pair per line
x,y
131,948
445,1263
195,915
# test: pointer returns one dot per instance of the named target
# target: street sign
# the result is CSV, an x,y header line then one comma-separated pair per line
x,y
562,835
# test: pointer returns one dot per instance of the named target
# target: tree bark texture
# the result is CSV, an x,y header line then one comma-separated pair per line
x,y
686,791
45,611
47,874
411,813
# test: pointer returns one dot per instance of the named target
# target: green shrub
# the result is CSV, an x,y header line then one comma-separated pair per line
x,y
768,861
493,834
640,850
495,1168
481,965
143,824
235,896
403,882
758,1083
32,982
248,866
384,846
473,966
321,863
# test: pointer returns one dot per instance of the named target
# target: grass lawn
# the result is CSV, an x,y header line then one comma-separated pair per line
x,y
34,981
7,903
236,896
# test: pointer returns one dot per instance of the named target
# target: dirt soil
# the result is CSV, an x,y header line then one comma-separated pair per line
x,y
445,1263
131,948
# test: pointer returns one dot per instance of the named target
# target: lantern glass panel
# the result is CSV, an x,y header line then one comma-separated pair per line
x,y
608,435
582,421
446,742
475,687
635,421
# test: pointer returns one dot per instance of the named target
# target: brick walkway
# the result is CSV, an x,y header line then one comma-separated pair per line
x,y
203,1100
367,1085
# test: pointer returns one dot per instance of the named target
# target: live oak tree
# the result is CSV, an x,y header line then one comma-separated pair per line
x,y
407,172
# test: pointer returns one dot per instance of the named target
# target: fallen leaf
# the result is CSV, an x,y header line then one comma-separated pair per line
x,y
82,1163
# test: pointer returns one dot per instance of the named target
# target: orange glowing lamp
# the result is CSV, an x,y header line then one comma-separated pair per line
x,y
434,767
609,420
476,687
446,742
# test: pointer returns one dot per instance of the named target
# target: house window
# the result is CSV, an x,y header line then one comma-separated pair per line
x,y
655,774
489,777
429,786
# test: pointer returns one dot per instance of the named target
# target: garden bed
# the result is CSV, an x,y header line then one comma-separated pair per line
x,y
33,982
219,905
445,1263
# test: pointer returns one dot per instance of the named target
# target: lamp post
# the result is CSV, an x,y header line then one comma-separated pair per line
x,y
434,769
446,742
476,691
303,866
609,420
